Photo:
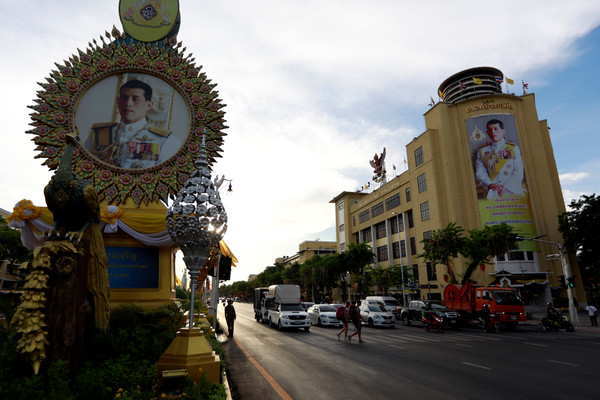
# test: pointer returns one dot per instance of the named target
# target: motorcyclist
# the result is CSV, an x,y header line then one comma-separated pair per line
x,y
427,312
485,317
552,313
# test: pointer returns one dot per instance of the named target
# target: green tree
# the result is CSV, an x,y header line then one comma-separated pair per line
x,y
444,245
478,248
579,228
11,248
483,244
355,260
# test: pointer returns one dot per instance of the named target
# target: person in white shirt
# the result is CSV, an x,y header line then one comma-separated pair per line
x,y
593,314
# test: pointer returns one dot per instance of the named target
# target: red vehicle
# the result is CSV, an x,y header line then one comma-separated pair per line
x,y
503,302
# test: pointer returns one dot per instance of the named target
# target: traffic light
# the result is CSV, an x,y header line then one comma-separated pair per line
x,y
561,279
571,281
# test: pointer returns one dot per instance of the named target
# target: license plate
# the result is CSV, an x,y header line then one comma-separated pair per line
x,y
298,323
513,317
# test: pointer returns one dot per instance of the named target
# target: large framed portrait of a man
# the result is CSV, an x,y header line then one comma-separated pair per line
x,y
132,120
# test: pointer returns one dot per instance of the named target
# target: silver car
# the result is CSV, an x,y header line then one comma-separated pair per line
x,y
323,315
377,315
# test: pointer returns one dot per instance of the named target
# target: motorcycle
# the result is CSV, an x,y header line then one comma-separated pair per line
x,y
493,325
434,322
560,322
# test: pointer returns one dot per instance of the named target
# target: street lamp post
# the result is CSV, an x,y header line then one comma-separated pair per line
x,y
197,221
566,272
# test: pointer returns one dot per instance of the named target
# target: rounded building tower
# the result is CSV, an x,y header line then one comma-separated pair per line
x,y
473,82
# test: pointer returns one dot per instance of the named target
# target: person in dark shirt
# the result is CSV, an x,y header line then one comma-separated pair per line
x,y
230,317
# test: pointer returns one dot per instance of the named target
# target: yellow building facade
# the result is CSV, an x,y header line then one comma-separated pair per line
x,y
307,250
452,168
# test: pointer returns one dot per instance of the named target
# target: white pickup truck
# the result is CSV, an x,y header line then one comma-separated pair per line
x,y
285,310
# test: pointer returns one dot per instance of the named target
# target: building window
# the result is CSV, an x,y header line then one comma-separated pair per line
x,y
407,194
400,223
413,246
382,253
354,220
364,216
367,237
394,224
357,238
341,205
403,248
421,183
409,215
431,272
392,202
425,211
427,235
419,156
380,231
342,247
377,209
396,250
342,228
415,274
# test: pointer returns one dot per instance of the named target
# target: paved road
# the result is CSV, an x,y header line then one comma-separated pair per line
x,y
407,362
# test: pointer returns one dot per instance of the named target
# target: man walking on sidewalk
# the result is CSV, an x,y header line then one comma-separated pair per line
x,y
593,313
230,317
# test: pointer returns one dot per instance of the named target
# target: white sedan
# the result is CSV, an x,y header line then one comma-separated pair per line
x,y
323,315
377,315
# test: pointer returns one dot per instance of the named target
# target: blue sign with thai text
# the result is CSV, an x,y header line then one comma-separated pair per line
x,y
132,267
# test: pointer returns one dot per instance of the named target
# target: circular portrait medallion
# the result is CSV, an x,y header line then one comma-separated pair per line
x,y
139,111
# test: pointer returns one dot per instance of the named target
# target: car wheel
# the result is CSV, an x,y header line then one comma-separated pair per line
x,y
270,322
306,328
370,322
319,322
279,326
405,320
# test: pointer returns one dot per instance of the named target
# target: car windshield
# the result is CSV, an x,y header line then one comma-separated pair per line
x,y
507,298
438,306
393,303
327,309
376,308
291,307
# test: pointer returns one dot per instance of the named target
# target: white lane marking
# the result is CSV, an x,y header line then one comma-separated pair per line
x,y
535,344
396,347
563,363
475,365
462,345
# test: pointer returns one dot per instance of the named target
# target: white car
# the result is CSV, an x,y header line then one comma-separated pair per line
x,y
323,315
377,315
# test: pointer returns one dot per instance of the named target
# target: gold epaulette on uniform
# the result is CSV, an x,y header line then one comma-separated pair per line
x,y
158,131
104,125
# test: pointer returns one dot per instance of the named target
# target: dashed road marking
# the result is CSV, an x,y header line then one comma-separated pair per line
x,y
475,365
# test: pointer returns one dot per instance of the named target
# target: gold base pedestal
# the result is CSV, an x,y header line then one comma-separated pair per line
x,y
191,351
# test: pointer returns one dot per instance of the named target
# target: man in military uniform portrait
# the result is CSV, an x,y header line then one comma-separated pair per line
x,y
499,165
132,143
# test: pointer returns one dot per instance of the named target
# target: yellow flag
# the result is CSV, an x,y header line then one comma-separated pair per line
x,y
477,81
510,81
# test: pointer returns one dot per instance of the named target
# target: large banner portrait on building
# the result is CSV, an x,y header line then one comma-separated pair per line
x,y
499,174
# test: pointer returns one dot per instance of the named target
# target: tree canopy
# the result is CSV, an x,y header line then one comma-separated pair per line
x,y
479,247
579,228
11,248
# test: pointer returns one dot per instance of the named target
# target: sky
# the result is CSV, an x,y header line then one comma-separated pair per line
x,y
315,88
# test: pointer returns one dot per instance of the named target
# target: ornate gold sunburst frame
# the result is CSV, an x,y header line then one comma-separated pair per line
x,y
55,107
